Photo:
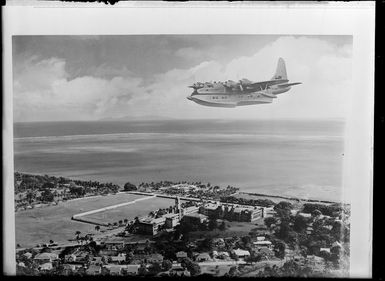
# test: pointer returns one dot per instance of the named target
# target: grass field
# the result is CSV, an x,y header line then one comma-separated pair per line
x,y
130,211
54,222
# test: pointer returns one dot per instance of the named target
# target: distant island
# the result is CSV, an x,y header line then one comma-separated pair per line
x,y
138,118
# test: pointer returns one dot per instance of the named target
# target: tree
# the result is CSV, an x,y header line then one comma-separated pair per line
x,y
191,266
316,213
284,230
47,195
283,209
254,258
269,221
142,270
222,226
246,240
233,271
154,268
97,228
130,187
283,205
194,269
212,224
76,190
279,249
77,233
166,265
300,223
48,185
30,196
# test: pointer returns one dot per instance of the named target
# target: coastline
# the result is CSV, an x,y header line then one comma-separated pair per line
x,y
240,192
289,198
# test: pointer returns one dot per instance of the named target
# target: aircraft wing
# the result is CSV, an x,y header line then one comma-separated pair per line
x,y
289,84
264,84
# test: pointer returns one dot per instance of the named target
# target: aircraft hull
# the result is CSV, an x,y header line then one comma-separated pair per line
x,y
229,101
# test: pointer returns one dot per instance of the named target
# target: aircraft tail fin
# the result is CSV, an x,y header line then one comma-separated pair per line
x,y
280,73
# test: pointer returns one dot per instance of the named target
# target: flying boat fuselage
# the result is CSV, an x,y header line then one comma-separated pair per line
x,y
245,92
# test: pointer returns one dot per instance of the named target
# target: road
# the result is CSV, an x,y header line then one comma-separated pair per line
x,y
260,266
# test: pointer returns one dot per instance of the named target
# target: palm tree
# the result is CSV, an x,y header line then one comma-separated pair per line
x,y
30,196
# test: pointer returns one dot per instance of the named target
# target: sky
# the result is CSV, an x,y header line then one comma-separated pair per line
x,y
70,78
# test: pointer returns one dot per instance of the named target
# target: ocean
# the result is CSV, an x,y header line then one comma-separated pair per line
x,y
277,157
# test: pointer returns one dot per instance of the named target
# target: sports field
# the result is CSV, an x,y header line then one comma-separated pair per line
x,y
131,211
41,225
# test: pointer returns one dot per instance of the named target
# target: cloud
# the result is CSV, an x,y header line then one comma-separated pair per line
x,y
43,91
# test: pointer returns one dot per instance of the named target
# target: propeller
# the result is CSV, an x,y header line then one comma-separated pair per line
x,y
240,85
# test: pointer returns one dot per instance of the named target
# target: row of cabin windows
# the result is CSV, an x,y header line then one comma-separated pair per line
x,y
224,97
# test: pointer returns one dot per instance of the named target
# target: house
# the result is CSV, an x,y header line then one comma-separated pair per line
x,y
260,238
94,270
132,269
114,245
115,270
179,271
314,260
46,257
202,257
241,253
267,252
218,242
97,261
305,215
118,259
336,244
155,258
263,244
223,255
70,258
181,255
71,267
28,255
82,257
325,249
192,245
46,266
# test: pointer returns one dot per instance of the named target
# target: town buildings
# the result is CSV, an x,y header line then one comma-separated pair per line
x,y
231,211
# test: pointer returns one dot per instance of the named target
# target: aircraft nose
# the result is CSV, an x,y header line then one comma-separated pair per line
x,y
189,98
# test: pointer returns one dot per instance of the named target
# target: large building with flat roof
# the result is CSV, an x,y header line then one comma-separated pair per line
x,y
150,226
231,211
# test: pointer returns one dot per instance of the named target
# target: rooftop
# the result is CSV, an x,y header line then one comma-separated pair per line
x,y
240,252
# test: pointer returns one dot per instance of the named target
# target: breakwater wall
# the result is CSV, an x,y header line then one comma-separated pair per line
x,y
289,198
